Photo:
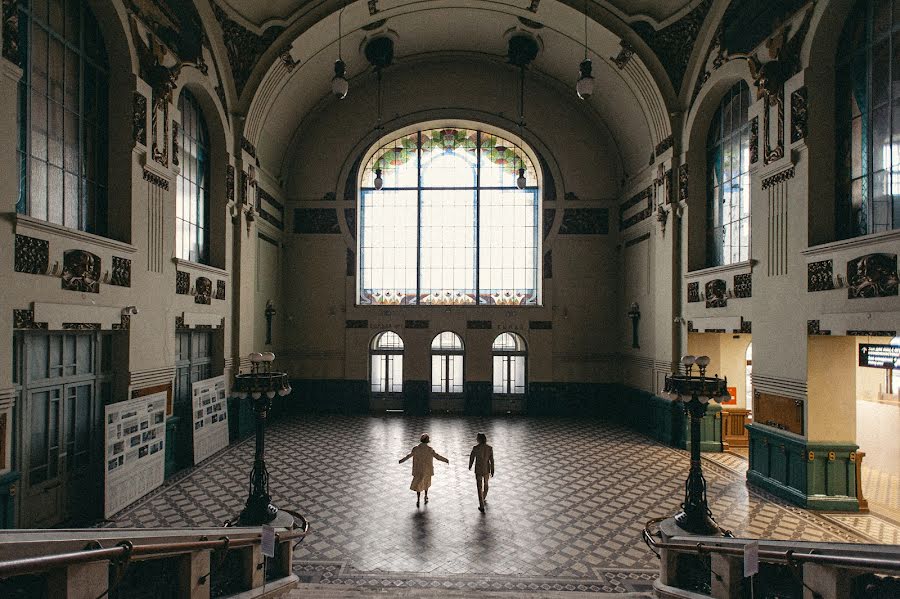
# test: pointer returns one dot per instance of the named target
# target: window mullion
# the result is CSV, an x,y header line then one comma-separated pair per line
x,y
418,216
478,218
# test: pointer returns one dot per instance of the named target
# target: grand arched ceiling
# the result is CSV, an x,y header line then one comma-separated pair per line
x,y
630,101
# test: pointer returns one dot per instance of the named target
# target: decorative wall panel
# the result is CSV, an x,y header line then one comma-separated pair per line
x,y
416,324
683,183
244,47
139,119
693,292
585,221
638,207
716,294
479,324
32,255
24,319
229,183
357,324
754,140
819,276
540,324
81,271
783,413
743,285
872,275
182,282
220,289
798,114
203,291
316,221
121,272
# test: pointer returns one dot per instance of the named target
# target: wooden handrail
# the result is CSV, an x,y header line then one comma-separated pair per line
x,y
126,550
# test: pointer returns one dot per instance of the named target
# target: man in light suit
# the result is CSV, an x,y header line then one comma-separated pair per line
x,y
483,457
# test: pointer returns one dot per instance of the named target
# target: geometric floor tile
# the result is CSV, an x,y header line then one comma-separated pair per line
x,y
567,505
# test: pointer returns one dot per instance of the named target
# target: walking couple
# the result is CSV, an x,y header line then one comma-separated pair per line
x,y
423,456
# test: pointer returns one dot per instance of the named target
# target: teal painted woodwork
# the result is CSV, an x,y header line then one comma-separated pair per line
x,y
8,492
710,430
814,475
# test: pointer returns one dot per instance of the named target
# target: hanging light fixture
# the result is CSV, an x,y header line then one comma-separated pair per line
x,y
380,53
585,85
379,182
522,50
339,84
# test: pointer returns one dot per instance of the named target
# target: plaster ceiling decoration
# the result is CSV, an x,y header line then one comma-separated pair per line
x,y
629,103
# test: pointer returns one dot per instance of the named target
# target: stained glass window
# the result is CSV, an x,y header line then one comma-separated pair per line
x,y
728,169
192,196
387,363
447,363
449,225
62,141
868,120
509,364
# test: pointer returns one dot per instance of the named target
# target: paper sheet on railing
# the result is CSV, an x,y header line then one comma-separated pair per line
x,y
210,403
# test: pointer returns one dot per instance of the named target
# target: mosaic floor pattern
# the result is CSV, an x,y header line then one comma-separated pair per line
x,y
567,505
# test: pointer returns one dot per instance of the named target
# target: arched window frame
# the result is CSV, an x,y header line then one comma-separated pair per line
x,y
414,243
508,363
728,166
63,136
387,360
192,239
447,364
867,178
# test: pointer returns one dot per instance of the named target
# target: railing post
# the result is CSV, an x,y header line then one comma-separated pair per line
x,y
193,575
79,581
827,582
254,576
731,572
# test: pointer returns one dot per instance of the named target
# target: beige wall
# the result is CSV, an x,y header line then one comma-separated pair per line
x,y
831,405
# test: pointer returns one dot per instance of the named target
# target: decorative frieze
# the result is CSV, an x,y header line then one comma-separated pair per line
x,y
24,319
777,178
357,324
203,291
479,324
693,292
156,180
81,271
626,51
175,148
743,285
540,325
548,265
220,289
585,221
182,282
799,114
664,145
248,147
416,324
320,221
124,323
139,119
229,183
683,183
121,272
820,276
872,275
81,326
716,294
32,255
813,327
645,195
754,140
870,333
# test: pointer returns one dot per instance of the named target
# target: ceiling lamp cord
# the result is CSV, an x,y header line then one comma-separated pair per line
x,y
585,85
520,180
339,84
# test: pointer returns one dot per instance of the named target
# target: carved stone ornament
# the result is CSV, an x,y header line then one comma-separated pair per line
x,y
479,324
540,325
626,51
244,47
416,324
229,183
154,179
182,282
820,276
24,319
81,326
248,147
124,323
693,292
175,148
754,140
121,272
220,289
778,178
743,285
585,221
799,115
81,271
872,275
664,145
770,77
715,294
11,31
139,119
203,291
683,183
308,221
32,255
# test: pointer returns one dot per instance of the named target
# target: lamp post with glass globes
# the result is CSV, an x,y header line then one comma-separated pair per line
x,y
695,516
261,385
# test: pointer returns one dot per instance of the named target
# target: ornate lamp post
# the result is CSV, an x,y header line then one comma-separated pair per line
x,y
261,385
695,516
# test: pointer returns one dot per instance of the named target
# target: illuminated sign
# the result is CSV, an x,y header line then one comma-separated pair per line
x,y
873,355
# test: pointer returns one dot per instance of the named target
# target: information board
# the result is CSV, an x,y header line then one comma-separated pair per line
x,y
874,355
210,399
135,450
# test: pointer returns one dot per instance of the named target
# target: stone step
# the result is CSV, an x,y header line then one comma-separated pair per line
x,y
334,591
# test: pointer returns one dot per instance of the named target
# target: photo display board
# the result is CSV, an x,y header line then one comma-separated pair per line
x,y
210,402
874,355
135,450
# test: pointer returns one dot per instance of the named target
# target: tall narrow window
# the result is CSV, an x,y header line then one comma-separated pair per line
x,y
867,109
509,364
447,363
387,363
728,191
192,204
62,141
443,221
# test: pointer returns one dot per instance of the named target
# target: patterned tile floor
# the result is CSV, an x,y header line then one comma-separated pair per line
x,y
567,505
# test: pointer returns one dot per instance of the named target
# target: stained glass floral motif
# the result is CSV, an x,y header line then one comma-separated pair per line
x,y
448,225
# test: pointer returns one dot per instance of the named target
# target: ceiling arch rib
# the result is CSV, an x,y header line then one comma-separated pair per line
x,y
628,99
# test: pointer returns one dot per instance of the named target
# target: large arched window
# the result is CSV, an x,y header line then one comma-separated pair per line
x,y
728,189
63,129
192,196
443,221
447,363
867,109
387,363
509,364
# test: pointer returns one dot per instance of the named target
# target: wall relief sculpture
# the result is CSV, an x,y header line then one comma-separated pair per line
x,y
203,291
820,276
121,272
32,255
220,289
693,292
743,285
872,275
81,271
716,294
182,282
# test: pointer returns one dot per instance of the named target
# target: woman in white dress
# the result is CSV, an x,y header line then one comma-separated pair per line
x,y
423,466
